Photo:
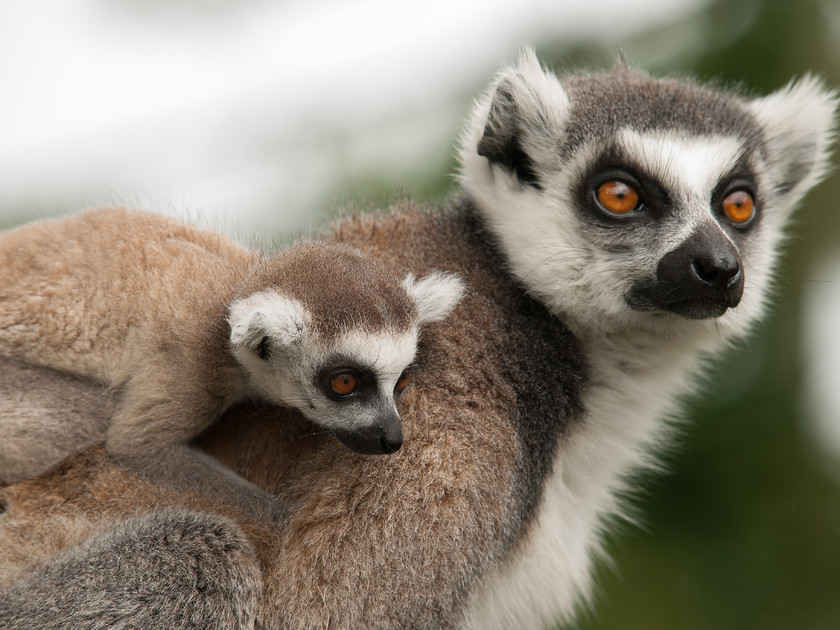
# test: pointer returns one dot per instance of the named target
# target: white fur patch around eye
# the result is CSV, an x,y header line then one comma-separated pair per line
x,y
386,353
267,314
435,295
683,162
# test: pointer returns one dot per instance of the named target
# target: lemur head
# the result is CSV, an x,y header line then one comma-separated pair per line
x,y
332,332
625,201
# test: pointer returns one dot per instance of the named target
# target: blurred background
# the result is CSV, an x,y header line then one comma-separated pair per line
x,y
265,118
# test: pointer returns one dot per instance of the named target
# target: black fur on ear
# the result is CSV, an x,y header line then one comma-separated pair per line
x,y
501,142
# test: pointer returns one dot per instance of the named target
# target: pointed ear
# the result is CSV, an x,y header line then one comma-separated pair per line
x,y
526,111
798,123
266,320
435,295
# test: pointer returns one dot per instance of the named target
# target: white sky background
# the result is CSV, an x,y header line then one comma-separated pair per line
x,y
226,111
251,116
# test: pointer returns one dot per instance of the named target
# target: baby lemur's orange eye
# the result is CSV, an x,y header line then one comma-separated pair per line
x,y
739,207
343,384
617,197
402,383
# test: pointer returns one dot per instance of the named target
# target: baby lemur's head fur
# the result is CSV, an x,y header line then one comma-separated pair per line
x,y
333,332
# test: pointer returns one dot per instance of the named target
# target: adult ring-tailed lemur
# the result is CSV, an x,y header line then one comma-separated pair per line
x,y
614,230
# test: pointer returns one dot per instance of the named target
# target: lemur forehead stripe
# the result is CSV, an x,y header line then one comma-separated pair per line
x,y
341,288
680,161
385,352
601,104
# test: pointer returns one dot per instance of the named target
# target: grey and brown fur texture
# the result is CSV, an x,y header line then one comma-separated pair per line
x,y
45,416
136,301
219,588
549,385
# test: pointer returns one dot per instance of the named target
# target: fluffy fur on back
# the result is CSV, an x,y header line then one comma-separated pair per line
x,y
202,574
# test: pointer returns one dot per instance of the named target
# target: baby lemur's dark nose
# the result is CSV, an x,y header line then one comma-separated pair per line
x,y
389,445
392,438
382,437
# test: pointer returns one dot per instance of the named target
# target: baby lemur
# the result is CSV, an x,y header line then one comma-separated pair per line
x,y
138,301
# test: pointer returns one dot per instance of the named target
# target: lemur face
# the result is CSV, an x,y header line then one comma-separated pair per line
x,y
351,385
622,200
340,352
675,217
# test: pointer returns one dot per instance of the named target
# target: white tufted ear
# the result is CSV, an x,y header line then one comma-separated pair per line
x,y
513,125
266,318
435,295
798,123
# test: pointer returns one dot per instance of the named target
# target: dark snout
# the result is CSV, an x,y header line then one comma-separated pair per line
x,y
700,278
383,437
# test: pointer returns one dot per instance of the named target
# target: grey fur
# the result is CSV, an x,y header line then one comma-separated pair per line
x,y
46,416
173,569
625,97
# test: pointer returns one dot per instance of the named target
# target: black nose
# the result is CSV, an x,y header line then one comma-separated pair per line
x,y
717,273
382,438
392,436
701,277
390,445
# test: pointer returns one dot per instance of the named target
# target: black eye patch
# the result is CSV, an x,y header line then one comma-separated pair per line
x,y
333,376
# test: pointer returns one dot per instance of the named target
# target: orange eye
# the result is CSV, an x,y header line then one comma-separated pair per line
x,y
617,197
343,384
403,382
739,206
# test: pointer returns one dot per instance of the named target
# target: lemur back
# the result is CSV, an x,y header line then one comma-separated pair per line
x,y
137,301
81,294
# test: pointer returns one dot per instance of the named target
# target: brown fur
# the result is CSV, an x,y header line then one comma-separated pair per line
x,y
61,277
399,541
85,494
137,301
